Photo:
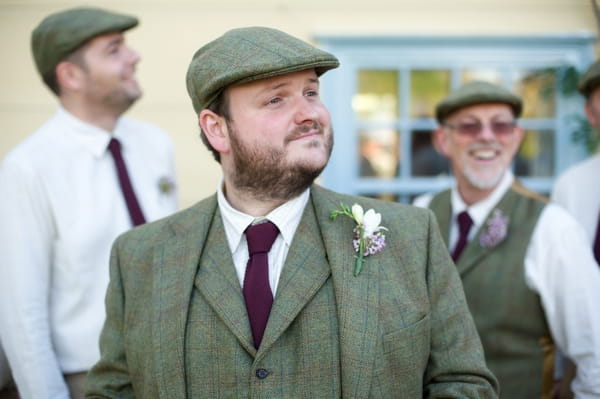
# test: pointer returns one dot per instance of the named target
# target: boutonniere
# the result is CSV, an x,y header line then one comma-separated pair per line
x,y
368,233
495,230
166,185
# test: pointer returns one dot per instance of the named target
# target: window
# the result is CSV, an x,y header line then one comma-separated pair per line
x,y
383,96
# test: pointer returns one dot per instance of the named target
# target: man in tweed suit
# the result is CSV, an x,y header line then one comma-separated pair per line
x,y
529,276
177,324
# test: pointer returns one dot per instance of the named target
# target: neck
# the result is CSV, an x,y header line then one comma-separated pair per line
x,y
94,115
472,195
247,203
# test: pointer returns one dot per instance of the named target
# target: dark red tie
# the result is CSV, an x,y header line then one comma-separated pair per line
x,y
257,291
464,225
135,212
597,243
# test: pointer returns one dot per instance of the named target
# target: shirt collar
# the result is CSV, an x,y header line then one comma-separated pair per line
x,y
286,217
481,209
91,137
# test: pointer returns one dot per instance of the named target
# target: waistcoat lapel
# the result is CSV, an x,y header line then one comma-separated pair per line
x,y
305,271
175,265
357,298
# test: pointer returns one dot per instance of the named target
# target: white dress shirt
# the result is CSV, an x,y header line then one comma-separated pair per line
x,y
578,190
286,217
560,268
61,207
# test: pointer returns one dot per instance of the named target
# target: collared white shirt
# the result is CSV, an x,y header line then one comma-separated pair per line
x,y
578,190
286,217
560,268
61,207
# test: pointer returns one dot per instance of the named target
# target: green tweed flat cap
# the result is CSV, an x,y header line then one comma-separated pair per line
x,y
590,79
61,33
248,54
476,92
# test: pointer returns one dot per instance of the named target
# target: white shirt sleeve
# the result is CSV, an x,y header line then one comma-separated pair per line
x,y
26,235
560,267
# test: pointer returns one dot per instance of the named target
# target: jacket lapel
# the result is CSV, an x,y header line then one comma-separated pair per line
x,y
357,297
218,283
175,265
304,273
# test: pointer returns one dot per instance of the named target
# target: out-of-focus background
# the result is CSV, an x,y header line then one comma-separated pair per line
x,y
399,57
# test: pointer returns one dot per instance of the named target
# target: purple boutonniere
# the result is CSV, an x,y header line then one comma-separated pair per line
x,y
368,233
495,230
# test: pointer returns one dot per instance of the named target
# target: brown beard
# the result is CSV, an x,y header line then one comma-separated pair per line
x,y
263,173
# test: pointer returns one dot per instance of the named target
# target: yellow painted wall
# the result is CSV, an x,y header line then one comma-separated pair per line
x,y
171,30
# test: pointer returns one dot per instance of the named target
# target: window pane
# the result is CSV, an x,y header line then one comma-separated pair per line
x,y
378,153
537,89
536,155
488,75
426,161
377,95
427,88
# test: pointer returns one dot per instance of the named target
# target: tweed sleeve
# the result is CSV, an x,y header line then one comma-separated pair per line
x,y
109,378
456,367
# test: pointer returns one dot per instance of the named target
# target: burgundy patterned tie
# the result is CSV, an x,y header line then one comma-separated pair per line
x,y
257,291
597,243
135,212
464,225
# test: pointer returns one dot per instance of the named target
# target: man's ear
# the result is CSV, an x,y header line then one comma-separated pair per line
x,y
69,76
439,140
215,129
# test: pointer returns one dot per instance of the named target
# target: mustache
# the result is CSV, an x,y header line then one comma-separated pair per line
x,y
303,129
494,145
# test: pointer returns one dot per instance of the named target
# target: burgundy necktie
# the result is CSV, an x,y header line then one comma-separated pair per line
x,y
135,212
257,291
597,243
464,225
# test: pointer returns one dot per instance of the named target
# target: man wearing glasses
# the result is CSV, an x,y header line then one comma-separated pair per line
x,y
529,276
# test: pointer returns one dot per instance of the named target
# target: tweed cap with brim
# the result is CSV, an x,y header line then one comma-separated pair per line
x,y
477,92
247,54
61,33
590,79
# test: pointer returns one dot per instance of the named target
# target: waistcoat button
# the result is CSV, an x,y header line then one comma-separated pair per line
x,y
262,373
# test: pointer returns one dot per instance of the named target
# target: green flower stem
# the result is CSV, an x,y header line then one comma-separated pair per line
x,y
359,259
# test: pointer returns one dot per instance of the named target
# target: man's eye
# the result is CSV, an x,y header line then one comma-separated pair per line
x,y
312,93
274,100
469,127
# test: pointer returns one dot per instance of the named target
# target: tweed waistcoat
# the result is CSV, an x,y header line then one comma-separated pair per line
x,y
507,313
299,360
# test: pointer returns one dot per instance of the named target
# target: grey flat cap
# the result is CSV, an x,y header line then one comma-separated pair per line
x,y
477,92
247,54
61,33
590,79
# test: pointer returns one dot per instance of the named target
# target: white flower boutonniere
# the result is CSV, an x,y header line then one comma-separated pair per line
x,y
368,233
495,230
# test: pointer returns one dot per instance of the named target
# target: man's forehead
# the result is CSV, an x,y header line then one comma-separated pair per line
x,y
482,110
273,82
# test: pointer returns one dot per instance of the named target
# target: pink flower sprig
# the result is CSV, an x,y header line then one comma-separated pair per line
x,y
495,230
369,237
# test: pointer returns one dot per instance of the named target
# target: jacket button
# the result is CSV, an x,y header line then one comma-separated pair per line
x,y
262,373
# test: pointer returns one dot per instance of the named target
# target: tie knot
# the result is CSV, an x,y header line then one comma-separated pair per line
x,y
114,146
464,222
260,237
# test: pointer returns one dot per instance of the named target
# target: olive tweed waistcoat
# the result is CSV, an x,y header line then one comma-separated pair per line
x,y
507,313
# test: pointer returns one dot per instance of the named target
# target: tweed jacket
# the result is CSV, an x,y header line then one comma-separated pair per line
x,y
404,327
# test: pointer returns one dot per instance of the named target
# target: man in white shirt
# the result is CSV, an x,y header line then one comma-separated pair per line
x,y
577,189
528,273
85,176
